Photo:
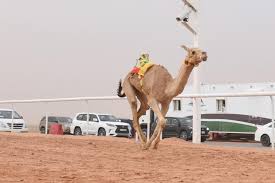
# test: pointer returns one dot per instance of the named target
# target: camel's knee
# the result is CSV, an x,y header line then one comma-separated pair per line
x,y
162,123
136,126
133,103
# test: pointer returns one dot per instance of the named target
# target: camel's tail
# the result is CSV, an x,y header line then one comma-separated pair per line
x,y
120,92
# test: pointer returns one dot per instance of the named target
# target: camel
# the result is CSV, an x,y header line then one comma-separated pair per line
x,y
157,90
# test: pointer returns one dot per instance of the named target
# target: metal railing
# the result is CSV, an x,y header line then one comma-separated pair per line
x,y
193,96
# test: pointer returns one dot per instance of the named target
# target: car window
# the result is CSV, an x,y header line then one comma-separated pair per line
x,y
43,119
107,118
185,121
16,115
82,117
93,117
8,115
52,119
168,121
64,119
174,122
79,117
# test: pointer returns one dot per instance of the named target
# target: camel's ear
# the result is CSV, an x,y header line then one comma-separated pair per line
x,y
185,47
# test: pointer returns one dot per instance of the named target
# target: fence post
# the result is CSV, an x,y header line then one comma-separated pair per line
x,y
12,117
46,118
88,116
272,118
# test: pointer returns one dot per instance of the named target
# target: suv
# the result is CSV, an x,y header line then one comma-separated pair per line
x,y
64,121
9,117
179,127
99,124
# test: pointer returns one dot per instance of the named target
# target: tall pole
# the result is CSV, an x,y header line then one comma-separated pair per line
x,y
191,22
196,85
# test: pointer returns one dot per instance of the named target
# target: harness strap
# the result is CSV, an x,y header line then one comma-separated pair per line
x,y
188,63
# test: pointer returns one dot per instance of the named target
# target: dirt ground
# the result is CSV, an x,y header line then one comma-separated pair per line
x,y
39,158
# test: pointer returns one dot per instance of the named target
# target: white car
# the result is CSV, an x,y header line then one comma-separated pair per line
x,y
99,124
263,134
9,117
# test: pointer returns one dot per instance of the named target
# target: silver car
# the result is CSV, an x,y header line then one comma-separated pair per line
x,y
64,121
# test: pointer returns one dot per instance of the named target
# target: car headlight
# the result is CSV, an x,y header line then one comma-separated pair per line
x,y
111,125
3,125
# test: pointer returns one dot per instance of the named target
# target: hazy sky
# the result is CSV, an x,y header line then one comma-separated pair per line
x,y
62,48
67,48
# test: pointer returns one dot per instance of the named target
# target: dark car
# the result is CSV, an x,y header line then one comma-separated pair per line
x,y
130,122
64,121
179,127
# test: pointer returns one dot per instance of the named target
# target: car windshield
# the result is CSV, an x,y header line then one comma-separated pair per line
x,y
64,119
8,115
107,118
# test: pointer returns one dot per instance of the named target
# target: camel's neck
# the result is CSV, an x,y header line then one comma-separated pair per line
x,y
180,81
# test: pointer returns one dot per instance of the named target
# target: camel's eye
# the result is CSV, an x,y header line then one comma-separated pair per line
x,y
193,52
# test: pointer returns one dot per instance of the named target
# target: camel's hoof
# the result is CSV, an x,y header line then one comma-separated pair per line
x,y
144,147
155,146
144,141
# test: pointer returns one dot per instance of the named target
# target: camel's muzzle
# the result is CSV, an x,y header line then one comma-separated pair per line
x,y
204,56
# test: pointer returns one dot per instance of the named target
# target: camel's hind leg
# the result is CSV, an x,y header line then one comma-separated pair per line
x,y
131,96
161,121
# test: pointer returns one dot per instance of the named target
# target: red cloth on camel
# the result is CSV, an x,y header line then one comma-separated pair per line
x,y
135,70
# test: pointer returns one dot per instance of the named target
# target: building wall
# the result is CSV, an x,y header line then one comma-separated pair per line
x,y
255,106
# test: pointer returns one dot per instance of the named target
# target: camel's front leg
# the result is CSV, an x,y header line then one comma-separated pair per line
x,y
161,121
164,110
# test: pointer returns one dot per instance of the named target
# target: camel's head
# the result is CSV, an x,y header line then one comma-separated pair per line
x,y
195,56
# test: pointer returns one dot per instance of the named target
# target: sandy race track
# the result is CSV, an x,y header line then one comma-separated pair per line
x,y
39,158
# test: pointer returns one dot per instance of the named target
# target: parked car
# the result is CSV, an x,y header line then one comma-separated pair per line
x,y
9,117
99,124
263,134
178,127
130,122
64,121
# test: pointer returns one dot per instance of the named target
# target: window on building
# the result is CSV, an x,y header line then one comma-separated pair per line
x,y
221,105
177,105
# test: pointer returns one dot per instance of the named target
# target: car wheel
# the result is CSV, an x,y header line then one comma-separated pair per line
x,y
77,131
42,130
184,135
203,139
265,140
144,131
101,132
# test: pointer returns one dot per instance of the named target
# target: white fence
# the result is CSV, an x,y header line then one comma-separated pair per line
x,y
87,99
